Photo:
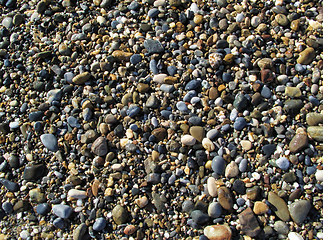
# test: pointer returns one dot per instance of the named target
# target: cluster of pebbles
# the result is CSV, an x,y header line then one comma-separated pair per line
x,y
161,119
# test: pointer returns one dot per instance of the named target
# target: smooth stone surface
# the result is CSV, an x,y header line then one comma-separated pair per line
x,y
260,208
81,78
199,217
34,172
62,211
294,236
188,140
239,123
9,185
43,208
279,206
293,92
217,232
282,163
78,194
100,146
299,141
232,170
79,231
218,165
153,46
225,198
249,223
99,224
120,214
50,142
214,210
212,187
313,119
316,132
281,227
319,175
298,210
306,56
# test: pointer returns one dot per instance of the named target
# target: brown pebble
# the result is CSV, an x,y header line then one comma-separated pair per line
x,y
130,229
225,198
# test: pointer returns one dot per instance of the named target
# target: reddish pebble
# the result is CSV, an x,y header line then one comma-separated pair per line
x,y
130,229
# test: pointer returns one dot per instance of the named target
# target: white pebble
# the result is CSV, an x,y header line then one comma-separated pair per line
x,y
319,175
24,234
295,236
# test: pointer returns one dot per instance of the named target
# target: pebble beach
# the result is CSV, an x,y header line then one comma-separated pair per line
x,y
161,119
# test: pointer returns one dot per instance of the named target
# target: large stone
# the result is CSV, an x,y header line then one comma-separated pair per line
x,y
249,223
153,46
279,206
79,232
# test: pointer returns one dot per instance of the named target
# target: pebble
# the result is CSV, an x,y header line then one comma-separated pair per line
x,y
249,223
212,187
231,170
120,214
78,194
319,175
199,217
298,210
49,141
299,141
306,56
214,210
217,232
188,140
81,78
282,163
225,198
79,231
280,206
100,146
99,224
239,123
62,211
316,132
260,208
294,236
218,165
281,227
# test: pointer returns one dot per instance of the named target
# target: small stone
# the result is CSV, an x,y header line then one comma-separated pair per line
x,y
314,119
299,141
50,142
100,146
232,170
239,123
9,185
7,207
319,175
294,236
218,165
79,232
78,194
212,187
130,229
260,208
99,224
253,193
143,88
81,78
43,209
298,210
279,206
142,201
225,198
212,134
217,232
153,46
246,145
208,145
62,211
282,163
36,196
7,22
120,214
316,132
281,227
293,92
282,20
214,210
199,217
188,140
122,56
307,56
249,223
